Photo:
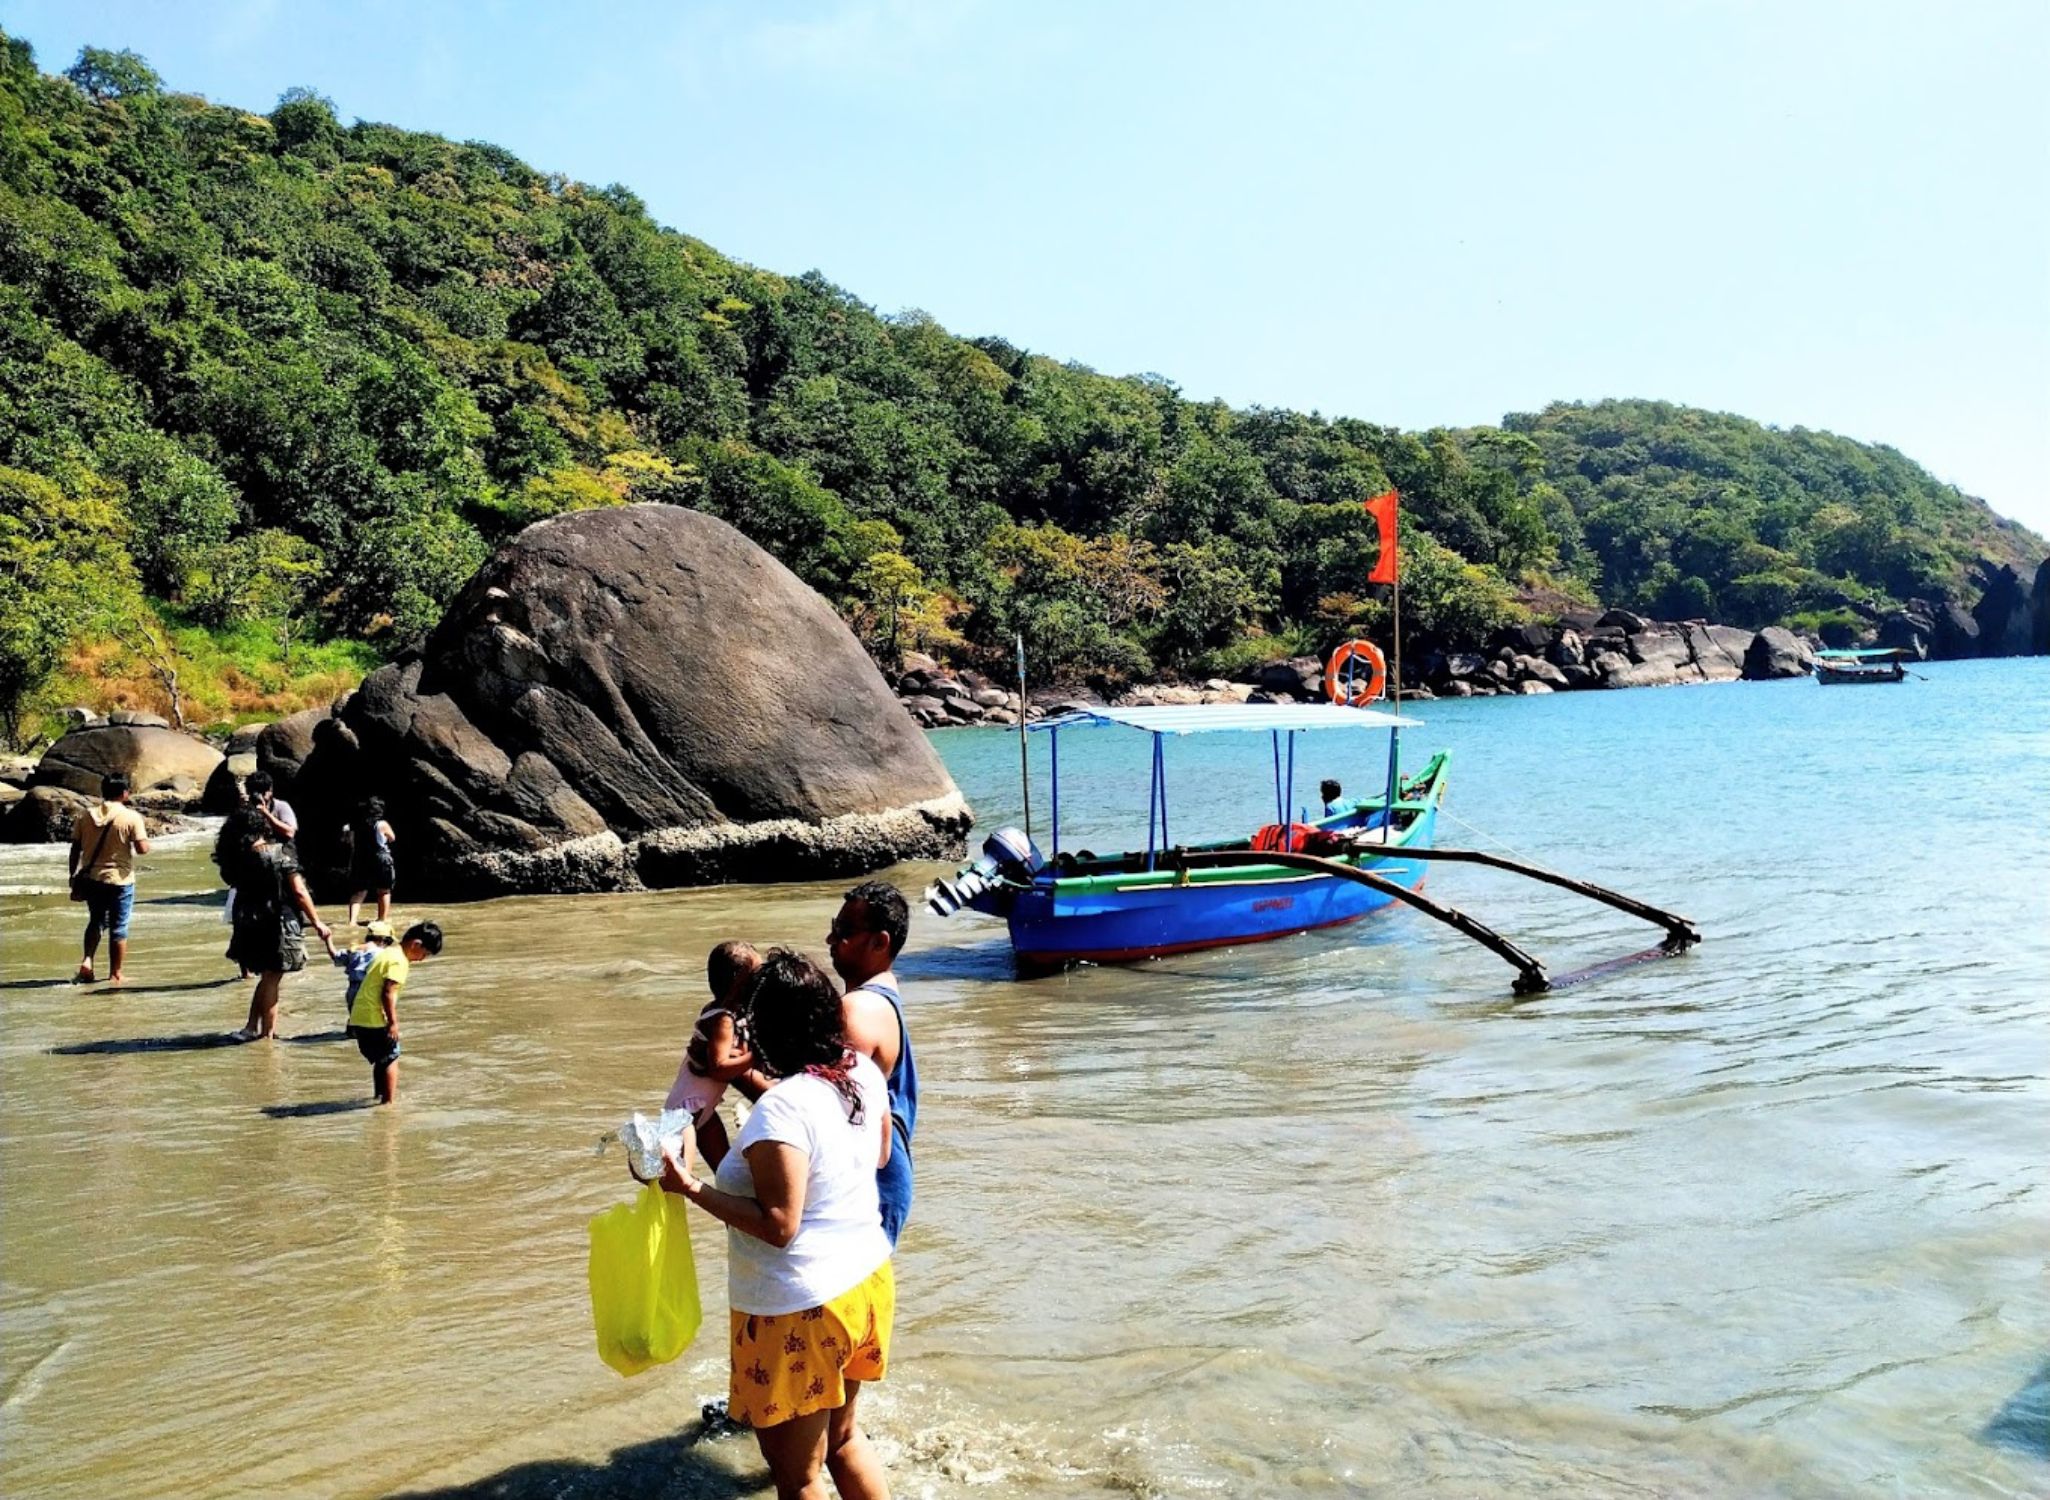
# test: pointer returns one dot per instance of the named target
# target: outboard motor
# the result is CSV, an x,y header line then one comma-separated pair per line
x,y
1008,858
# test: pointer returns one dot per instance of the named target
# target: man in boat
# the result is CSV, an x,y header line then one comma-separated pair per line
x,y
1331,791
864,942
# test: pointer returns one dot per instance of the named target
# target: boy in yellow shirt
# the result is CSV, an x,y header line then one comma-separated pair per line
x,y
374,1016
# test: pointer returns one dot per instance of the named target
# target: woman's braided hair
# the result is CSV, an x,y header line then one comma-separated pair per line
x,y
794,1018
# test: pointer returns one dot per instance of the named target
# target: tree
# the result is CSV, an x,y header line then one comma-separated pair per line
x,y
102,75
63,574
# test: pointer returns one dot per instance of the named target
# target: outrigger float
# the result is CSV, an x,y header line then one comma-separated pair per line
x,y
1284,878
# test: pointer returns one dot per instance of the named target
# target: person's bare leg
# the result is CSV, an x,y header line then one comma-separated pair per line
x,y
794,1450
857,1472
355,901
263,1003
384,906
118,949
385,1079
92,947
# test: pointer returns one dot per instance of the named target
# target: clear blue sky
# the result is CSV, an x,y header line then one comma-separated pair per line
x,y
1834,215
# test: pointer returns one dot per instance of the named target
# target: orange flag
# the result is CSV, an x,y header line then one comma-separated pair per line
x,y
1382,509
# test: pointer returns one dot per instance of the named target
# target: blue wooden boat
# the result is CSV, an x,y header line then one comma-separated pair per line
x,y
1067,907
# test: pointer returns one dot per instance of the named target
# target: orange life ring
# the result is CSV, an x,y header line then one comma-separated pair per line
x,y
1376,683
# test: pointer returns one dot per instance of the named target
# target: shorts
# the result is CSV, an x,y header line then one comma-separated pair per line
x,y
792,1364
376,1045
267,943
110,906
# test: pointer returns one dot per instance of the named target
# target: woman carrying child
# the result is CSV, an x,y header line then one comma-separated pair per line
x,y
808,1276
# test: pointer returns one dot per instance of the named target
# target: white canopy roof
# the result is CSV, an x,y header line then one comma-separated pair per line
x,y
1225,718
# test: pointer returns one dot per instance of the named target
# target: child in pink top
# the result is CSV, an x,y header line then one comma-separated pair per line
x,y
718,1051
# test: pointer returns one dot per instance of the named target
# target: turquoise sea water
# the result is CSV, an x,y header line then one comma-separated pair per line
x,y
1767,1219
1329,1216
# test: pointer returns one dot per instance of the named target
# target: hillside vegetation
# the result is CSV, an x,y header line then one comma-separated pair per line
x,y
275,379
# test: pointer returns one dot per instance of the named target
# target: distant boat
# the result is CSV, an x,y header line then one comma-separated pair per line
x,y
1874,664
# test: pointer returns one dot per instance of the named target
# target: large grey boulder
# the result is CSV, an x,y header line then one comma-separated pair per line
x,y
223,792
2003,614
1659,657
1957,633
1776,652
283,745
46,815
152,759
1567,651
2039,611
1718,650
629,697
1536,669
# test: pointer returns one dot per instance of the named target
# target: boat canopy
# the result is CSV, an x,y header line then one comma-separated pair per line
x,y
1869,653
1225,718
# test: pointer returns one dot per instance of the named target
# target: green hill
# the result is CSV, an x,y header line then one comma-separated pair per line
x,y
272,378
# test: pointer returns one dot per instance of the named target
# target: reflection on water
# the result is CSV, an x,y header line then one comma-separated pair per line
x,y
1325,1216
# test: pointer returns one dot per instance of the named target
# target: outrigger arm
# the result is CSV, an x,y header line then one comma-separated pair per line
x,y
1681,933
1531,978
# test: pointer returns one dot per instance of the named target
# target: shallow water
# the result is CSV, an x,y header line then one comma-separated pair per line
x,y
1320,1217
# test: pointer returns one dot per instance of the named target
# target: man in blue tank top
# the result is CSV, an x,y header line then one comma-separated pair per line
x,y
864,942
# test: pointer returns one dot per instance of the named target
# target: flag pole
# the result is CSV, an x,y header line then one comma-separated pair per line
x,y
1395,730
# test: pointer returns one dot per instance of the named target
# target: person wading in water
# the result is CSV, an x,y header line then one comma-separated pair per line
x,y
864,942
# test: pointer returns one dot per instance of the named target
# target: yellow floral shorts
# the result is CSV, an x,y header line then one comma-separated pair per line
x,y
792,1364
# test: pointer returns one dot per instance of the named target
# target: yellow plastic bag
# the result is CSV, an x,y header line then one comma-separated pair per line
x,y
644,1283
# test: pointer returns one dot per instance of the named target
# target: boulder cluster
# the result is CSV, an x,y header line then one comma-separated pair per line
x,y
2012,618
173,774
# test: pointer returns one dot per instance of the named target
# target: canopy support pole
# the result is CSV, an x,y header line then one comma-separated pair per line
x,y
1024,759
1053,749
1288,801
1160,770
1280,808
1152,800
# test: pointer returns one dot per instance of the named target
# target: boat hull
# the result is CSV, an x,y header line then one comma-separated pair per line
x,y
1124,920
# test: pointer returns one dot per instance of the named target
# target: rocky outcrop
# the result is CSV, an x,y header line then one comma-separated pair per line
x,y
1777,652
282,746
46,814
2039,605
2004,614
153,759
621,698
224,788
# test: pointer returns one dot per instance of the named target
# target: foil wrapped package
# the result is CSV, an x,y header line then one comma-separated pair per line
x,y
647,1140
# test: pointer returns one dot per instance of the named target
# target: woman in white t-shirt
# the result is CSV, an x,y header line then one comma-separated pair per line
x,y
807,1263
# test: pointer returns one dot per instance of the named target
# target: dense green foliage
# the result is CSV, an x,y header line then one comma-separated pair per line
x,y
319,369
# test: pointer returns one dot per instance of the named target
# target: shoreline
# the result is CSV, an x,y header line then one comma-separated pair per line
x,y
1615,649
